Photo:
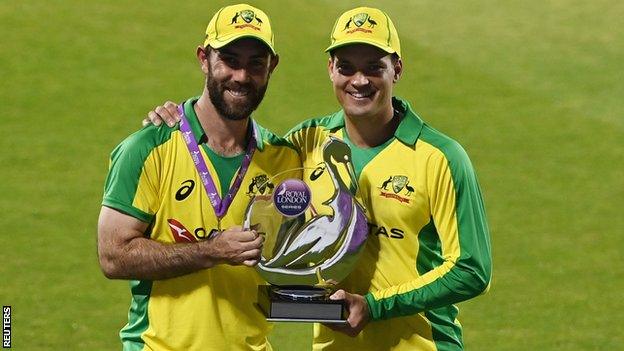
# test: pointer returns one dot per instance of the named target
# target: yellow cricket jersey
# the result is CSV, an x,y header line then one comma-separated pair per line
x,y
428,245
152,177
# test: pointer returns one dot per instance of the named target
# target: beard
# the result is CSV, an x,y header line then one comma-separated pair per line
x,y
234,111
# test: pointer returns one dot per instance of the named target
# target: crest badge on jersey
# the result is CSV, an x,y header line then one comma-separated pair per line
x,y
401,190
260,185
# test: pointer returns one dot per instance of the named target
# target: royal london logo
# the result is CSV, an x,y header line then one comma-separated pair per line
x,y
260,185
247,17
292,197
359,20
400,187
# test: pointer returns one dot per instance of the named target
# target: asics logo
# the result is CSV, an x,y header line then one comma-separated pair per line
x,y
185,190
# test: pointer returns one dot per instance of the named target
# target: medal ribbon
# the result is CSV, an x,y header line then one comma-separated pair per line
x,y
219,205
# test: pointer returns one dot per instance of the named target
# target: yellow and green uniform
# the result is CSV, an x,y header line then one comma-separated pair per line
x,y
152,177
428,245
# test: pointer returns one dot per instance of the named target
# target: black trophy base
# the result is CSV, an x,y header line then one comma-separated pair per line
x,y
299,304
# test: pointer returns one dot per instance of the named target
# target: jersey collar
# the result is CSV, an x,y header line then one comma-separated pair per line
x,y
408,130
198,131
411,125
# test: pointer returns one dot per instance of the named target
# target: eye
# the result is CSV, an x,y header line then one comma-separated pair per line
x,y
229,60
374,69
346,70
257,63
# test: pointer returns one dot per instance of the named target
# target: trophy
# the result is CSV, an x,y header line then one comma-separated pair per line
x,y
306,253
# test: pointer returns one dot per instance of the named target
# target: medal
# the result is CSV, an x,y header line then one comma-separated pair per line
x,y
220,205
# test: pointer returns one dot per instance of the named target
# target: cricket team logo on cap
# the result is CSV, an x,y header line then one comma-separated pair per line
x,y
359,20
365,25
247,16
292,197
239,21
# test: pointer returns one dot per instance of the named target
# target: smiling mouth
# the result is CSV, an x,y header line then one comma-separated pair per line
x,y
238,93
361,95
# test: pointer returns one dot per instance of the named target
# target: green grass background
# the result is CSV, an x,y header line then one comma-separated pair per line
x,y
532,89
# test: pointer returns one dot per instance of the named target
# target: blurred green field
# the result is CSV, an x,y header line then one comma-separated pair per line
x,y
534,91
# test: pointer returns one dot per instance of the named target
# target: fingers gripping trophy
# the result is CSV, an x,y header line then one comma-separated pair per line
x,y
306,253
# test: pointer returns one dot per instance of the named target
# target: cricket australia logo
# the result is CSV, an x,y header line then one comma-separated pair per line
x,y
247,17
359,20
401,190
260,185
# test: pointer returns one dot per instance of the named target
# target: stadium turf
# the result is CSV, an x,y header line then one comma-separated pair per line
x,y
532,89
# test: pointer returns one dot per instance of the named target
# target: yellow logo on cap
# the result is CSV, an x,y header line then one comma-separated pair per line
x,y
247,16
359,20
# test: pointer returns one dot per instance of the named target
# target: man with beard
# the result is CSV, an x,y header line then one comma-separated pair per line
x,y
172,202
428,246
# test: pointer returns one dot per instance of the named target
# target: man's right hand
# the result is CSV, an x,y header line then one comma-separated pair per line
x,y
236,246
168,112
125,253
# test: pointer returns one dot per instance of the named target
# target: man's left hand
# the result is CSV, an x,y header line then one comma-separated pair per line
x,y
167,112
358,313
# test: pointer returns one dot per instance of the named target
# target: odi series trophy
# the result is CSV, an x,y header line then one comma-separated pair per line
x,y
306,253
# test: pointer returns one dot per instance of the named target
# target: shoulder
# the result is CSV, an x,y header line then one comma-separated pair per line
x,y
331,121
148,137
270,139
141,143
444,149
275,152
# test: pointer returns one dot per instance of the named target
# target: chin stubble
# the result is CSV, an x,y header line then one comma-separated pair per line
x,y
237,111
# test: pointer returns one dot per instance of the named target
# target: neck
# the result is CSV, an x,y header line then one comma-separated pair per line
x,y
369,132
225,137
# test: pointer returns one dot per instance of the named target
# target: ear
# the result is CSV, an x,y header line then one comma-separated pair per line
x,y
273,64
398,70
330,68
203,57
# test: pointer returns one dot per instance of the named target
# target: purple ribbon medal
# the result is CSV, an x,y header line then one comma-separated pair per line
x,y
220,205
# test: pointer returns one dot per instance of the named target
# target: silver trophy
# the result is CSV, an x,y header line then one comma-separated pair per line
x,y
306,253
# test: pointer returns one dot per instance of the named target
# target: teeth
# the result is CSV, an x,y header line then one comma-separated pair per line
x,y
238,93
360,95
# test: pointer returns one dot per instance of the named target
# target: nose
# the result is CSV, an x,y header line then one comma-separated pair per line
x,y
359,79
241,75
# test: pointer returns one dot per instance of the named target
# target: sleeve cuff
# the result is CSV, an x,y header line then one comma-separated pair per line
x,y
373,307
129,210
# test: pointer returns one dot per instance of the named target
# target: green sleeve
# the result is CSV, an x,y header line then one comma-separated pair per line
x,y
451,279
128,162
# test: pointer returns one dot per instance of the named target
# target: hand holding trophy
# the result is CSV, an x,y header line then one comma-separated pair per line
x,y
305,253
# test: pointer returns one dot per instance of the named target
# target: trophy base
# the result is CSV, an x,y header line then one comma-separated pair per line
x,y
300,304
